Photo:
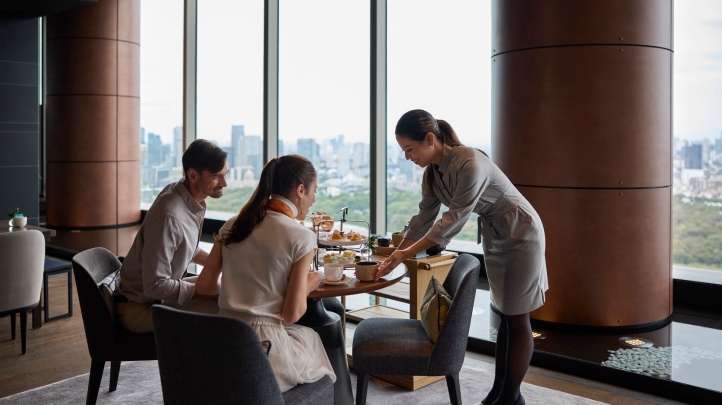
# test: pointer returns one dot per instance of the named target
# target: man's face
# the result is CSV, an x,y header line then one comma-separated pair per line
x,y
211,184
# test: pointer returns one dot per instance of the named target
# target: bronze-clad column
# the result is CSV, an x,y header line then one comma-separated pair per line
x,y
582,125
93,115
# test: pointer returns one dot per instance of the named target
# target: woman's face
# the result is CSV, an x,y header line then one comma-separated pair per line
x,y
308,197
420,153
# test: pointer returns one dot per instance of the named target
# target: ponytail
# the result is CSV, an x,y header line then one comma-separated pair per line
x,y
415,124
448,135
280,176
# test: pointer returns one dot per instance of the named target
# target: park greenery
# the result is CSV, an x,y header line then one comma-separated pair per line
x,y
697,223
697,232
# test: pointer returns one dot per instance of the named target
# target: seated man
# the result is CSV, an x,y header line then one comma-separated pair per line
x,y
167,242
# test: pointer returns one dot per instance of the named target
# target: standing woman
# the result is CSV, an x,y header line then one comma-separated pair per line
x,y
264,255
466,181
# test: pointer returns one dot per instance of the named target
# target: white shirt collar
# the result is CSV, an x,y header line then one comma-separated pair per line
x,y
287,202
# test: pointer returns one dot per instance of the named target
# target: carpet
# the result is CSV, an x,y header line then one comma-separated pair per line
x,y
139,383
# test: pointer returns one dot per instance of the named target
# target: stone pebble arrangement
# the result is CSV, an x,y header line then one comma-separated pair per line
x,y
657,361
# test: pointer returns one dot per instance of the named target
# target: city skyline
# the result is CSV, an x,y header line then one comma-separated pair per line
x,y
697,68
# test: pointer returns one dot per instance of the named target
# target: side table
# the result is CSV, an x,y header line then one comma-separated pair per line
x,y
53,267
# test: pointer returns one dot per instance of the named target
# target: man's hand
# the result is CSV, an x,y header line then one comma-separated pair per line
x,y
200,258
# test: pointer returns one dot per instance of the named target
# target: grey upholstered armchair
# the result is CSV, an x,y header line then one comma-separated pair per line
x,y
21,276
226,361
384,346
106,340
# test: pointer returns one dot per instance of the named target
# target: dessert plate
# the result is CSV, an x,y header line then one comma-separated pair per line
x,y
342,242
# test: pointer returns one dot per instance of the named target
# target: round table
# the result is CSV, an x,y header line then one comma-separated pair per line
x,y
330,328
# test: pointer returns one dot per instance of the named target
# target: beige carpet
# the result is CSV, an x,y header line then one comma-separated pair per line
x,y
139,383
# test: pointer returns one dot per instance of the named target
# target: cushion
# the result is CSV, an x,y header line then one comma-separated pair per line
x,y
434,308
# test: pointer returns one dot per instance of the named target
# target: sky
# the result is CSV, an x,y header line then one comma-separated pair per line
x,y
438,60
697,69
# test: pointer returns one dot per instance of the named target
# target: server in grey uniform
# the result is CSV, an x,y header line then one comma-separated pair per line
x,y
466,181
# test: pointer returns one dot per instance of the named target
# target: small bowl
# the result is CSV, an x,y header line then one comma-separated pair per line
x,y
435,250
383,242
366,271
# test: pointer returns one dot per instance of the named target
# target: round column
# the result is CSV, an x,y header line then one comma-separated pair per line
x,y
582,125
93,115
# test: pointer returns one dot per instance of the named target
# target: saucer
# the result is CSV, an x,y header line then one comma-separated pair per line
x,y
344,280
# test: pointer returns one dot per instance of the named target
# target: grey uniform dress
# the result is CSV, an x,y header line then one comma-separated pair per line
x,y
467,182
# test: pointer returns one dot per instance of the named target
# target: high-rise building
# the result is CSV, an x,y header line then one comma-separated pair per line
x,y
155,150
238,132
693,156
718,146
142,136
343,162
178,147
249,152
308,148
358,157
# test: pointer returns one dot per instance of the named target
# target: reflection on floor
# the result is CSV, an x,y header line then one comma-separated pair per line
x,y
692,342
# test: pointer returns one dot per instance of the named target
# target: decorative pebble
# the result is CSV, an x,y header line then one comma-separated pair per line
x,y
657,361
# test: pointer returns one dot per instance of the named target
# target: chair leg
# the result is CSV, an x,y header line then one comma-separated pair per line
x,y
23,329
70,292
96,374
46,295
114,372
12,326
452,381
362,385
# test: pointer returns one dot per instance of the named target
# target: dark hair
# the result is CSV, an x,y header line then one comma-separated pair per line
x,y
203,155
280,176
415,124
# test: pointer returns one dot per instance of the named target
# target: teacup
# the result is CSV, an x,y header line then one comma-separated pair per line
x,y
20,221
366,271
333,271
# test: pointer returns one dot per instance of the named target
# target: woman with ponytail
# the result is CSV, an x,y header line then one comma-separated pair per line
x,y
263,256
466,181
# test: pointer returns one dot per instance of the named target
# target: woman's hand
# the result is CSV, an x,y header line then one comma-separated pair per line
x,y
313,280
388,265
401,254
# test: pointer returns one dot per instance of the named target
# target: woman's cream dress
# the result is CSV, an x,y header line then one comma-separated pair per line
x,y
254,281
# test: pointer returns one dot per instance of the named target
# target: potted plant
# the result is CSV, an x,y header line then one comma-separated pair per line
x,y
17,218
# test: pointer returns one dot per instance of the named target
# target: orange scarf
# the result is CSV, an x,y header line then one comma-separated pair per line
x,y
279,206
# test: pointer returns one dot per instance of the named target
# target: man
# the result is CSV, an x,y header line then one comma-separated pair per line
x,y
167,242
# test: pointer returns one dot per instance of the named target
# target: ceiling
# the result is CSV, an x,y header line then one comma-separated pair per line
x,y
37,8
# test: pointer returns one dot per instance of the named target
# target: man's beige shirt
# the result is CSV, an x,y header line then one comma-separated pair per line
x,y
163,248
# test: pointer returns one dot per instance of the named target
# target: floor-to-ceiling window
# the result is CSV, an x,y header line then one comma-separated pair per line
x,y
697,201
439,61
161,95
324,98
229,104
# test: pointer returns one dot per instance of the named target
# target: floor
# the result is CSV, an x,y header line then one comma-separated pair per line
x,y
58,350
